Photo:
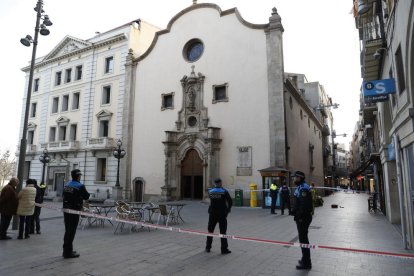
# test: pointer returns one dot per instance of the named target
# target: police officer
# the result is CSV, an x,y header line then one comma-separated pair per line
x,y
284,198
74,193
303,216
273,195
220,206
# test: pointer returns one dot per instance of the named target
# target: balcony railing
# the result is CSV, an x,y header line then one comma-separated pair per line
x,y
61,145
101,143
371,34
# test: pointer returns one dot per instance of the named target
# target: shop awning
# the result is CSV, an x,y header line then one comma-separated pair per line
x,y
374,157
274,171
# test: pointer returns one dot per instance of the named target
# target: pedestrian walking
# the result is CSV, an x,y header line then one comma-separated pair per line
x,y
74,193
220,207
26,208
284,193
273,195
35,222
303,216
8,206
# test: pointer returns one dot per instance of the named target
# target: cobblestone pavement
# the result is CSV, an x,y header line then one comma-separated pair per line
x,y
159,252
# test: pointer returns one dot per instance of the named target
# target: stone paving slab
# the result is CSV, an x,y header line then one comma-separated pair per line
x,y
159,252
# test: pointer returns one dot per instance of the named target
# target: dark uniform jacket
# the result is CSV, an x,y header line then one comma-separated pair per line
x,y
220,202
303,205
74,193
284,191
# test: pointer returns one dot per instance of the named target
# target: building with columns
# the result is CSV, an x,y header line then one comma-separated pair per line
x,y
77,104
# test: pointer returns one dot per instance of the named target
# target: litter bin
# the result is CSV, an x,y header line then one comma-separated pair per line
x,y
238,197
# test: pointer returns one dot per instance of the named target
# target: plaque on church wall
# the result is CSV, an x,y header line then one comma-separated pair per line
x,y
244,161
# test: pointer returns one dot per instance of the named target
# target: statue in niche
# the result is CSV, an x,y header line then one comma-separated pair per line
x,y
191,94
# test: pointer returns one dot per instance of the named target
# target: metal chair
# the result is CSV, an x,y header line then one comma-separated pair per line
x,y
87,219
167,214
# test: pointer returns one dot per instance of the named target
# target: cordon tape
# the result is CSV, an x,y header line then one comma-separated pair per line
x,y
233,237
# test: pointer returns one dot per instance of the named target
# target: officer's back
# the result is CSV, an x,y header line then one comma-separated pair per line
x,y
220,201
73,195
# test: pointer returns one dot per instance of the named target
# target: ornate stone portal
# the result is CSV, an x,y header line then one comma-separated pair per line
x,y
192,132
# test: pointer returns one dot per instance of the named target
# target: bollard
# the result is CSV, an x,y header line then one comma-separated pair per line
x,y
253,196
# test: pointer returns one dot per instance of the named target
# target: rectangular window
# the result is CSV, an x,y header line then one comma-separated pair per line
x,y
33,110
26,174
101,169
73,130
65,103
220,93
68,75
167,101
55,105
109,64
30,137
58,78
62,133
400,70
103,128
36,85
78,73
52,134
106,95
75,101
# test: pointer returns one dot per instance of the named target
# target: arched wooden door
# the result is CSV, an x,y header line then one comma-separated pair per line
x,y
192,176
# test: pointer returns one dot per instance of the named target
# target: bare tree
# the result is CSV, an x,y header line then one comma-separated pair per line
x,y
7,166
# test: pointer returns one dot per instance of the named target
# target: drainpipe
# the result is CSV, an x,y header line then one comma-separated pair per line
x,y
89,110
400,189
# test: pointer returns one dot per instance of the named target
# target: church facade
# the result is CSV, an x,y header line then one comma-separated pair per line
x,y
210,98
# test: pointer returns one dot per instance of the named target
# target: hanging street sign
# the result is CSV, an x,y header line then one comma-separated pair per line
x,y
377,88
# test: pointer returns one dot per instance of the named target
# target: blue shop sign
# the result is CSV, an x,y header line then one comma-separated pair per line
x,y
378,87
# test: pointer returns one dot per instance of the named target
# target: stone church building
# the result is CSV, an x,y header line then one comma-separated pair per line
x,y
210,98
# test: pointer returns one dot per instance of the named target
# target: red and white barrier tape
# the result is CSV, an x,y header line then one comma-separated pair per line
x,y
201,233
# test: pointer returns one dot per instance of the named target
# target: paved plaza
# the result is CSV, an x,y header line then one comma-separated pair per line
x,y
160,252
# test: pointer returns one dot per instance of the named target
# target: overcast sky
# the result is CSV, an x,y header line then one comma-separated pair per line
x,y
320,41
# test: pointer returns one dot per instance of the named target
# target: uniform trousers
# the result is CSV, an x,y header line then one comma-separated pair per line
x,y
212,222
273,195
303,227
285,202
71,223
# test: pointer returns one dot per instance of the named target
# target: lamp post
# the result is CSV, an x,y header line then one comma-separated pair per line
x,y
334,135
119,153
44,158
26,41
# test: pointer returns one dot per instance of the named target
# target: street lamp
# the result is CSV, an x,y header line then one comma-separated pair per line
x,y
44,158
334,135
119,153
321,107
26,41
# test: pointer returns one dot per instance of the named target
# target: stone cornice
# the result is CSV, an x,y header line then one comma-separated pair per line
x,y
96,45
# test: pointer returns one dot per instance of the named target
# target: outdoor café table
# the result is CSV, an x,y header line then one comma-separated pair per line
x,y
178,206
103,209
137,204
150,211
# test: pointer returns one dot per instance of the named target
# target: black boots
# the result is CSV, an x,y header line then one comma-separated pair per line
x,y
303,265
